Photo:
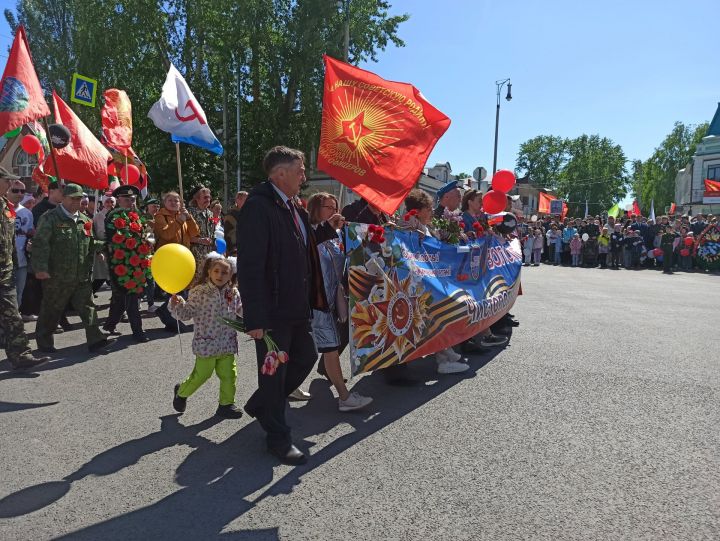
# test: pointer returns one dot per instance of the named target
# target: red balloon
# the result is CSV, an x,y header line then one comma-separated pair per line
x,y
688,241
129,174
494,202
31,144
112,170
658,252
503,181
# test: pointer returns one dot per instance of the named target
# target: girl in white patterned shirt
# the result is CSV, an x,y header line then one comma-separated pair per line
x,y
214,344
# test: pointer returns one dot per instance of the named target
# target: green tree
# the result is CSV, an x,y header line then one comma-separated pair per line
x,y
654,179
276,45
543,158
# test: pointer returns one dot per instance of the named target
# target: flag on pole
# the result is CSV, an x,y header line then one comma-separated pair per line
x,y
21,98
376,135
84,160
672,208
179,113
587,211
614,211
544,204
116,117
651,216
636,208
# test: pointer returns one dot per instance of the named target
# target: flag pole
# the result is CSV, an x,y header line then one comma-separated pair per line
x,y
127,174
179,168
52,149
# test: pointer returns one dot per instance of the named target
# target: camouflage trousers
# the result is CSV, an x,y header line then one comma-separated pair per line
x,y
56,296
16,343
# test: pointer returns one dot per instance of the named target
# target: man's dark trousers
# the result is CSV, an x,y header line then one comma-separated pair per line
x,y
268,403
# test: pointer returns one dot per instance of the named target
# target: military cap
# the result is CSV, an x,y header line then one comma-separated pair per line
x,y
151,201
512,197
73,190
126,190
450,186
7,175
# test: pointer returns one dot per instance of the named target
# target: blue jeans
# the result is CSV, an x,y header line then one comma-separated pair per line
x,y
575,260
558,253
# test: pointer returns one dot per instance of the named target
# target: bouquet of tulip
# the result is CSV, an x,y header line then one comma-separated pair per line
x,y
274,356
449,226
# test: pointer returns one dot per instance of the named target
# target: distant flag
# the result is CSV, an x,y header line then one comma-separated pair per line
x,y
21,98
116,117
636,208
587,211
672,208
712,188
544,204
376,135
652,210
614,211
179,113
84,160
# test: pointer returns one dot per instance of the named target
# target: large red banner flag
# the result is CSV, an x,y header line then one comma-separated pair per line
x,y
21,98
376,135
116,117
712,188
84,160
636,208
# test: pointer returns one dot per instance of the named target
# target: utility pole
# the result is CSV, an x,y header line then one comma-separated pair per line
x,y
499,85
226,180
237,119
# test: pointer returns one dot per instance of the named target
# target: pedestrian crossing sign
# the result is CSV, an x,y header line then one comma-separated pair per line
x,y
84,90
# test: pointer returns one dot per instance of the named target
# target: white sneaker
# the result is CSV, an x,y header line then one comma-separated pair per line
x,y
299,394
451,368
354,402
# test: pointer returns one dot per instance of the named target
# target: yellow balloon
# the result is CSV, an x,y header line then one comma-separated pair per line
x,y
173,267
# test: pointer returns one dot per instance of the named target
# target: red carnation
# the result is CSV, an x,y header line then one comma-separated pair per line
x,y
413,212
145,263
117,238
136,227
87,226
135,260
118,254
138,273
372,228
130,284
133,215
120,270
130,244
119,223
144,249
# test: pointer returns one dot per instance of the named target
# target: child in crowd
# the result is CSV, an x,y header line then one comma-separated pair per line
x,y
603,247
552,235
558,247
537,247
686,261
528,248
214,344
590,252
575,249
616,244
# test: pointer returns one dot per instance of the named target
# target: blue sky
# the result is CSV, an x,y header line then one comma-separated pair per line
x,y
626,70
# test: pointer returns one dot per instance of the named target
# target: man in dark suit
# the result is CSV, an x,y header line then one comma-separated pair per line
x,y
280,283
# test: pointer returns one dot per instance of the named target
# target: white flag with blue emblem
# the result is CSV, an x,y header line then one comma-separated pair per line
x,y
179,113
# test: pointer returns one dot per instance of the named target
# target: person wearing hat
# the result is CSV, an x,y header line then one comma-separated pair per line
x,y
449,197
151,206
123,300
17,346
63,253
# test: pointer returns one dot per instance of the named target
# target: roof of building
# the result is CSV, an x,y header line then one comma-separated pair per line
x,y
714,128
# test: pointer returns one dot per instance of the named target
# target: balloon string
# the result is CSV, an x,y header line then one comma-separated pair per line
x,y
182,355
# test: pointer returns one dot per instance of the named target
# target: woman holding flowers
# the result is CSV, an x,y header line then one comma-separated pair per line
x,y
128,255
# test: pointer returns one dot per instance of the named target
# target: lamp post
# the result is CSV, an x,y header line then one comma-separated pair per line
x,y
499,85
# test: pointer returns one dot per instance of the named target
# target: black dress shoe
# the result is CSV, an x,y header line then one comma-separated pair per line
x,y
291,456
229,411
140,338
179,403
47,349
251,412
470,346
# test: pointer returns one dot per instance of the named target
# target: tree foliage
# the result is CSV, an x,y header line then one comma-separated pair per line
x,y
275,45
654,179
589,168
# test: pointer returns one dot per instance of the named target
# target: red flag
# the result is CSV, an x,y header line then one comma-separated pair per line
x,y
21,98
544,204
636,208
672,208
376,135
712,188
85,159
117,120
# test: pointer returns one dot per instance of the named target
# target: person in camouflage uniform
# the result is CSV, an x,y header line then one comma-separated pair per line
x,y
199,209
63,253
17,347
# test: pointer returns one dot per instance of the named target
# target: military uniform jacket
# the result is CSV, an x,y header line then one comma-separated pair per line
x,y
7,241
64,248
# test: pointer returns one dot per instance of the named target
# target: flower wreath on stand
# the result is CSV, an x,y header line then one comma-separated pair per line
x,y
130,253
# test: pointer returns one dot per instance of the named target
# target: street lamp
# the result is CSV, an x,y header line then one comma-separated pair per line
x,y
499,85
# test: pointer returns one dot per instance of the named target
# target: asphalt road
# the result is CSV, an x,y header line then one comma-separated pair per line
x,y
599,421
